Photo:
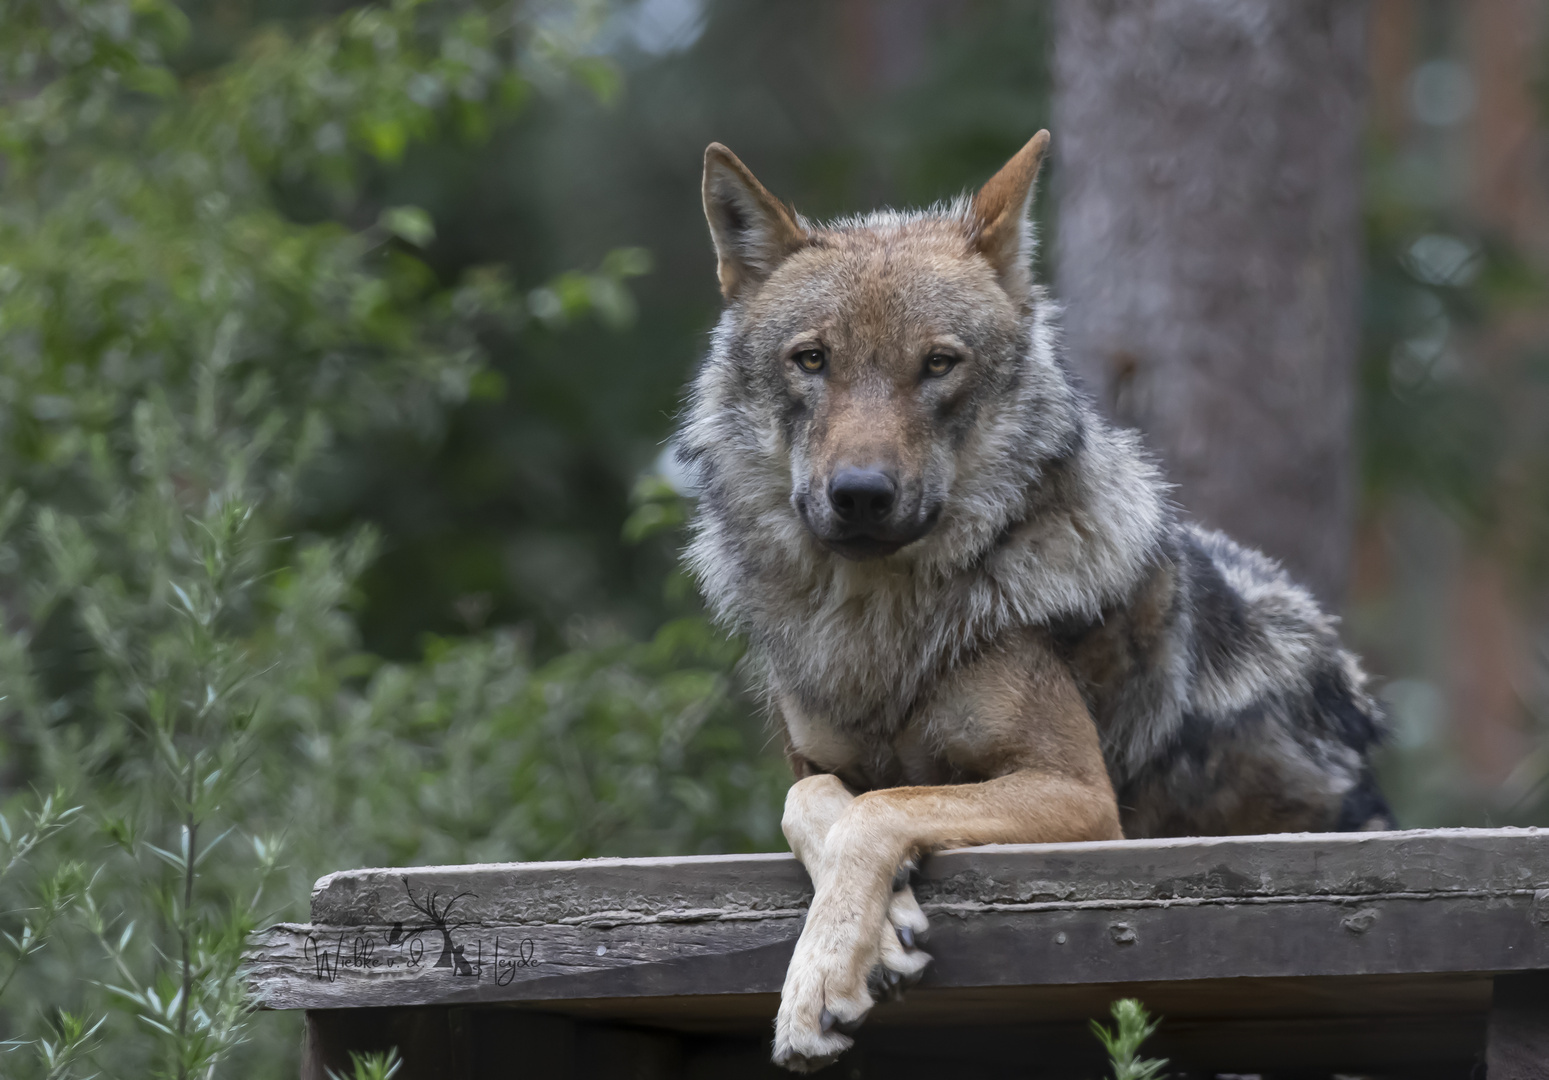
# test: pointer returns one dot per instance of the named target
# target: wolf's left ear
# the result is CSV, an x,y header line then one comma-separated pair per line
x,y
753,231
1002,231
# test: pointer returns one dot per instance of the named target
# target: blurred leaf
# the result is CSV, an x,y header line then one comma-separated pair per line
x,y
409,223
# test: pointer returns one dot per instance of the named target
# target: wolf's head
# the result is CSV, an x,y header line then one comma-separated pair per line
x,y
881,380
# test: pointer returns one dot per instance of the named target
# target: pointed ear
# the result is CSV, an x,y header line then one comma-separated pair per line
x,y
1002,232
753,231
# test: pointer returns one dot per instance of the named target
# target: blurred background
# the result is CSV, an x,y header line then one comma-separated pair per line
x,y
339,348
515,513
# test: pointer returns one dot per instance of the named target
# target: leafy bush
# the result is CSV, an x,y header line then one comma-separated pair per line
x,y
176,355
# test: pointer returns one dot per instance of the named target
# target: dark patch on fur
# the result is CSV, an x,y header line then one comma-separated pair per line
x,y
957,417
1194,741
796,413
736,221
1221,634
1335,704
1073,443
1364,807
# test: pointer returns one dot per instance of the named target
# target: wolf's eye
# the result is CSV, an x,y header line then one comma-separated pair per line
x,y
810,360
938,364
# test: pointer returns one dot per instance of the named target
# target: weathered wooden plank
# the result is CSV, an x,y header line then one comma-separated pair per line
x,y
591,892
360,966
1127,911
311,967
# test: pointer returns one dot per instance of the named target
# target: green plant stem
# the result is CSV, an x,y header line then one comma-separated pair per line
x,y
11,975
191,829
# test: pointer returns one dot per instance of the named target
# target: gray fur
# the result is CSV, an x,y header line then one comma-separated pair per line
x,y
1223,697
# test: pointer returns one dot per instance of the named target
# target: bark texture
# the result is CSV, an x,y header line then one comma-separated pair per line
x,y
1208,175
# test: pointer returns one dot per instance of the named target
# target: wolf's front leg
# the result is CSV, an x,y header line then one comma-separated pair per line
x,y
1015,715
812,807
826,985
887,961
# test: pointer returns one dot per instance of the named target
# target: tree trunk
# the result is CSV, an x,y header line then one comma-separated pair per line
x,y
1208,176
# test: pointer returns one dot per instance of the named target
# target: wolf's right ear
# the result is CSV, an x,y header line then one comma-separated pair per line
x,y
753,231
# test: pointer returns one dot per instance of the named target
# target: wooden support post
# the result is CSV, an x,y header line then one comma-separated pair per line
x,y
1519,1027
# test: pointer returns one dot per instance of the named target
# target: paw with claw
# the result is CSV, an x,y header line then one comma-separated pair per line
x,y
862,934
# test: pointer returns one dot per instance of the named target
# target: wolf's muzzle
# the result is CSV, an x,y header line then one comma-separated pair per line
x,y
867,514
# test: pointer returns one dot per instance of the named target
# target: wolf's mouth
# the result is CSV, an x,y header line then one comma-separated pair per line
x,y
862,546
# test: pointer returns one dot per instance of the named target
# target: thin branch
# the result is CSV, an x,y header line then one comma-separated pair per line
x,y
191,830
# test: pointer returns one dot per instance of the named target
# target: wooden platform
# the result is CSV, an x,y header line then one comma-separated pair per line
x,y
1387,954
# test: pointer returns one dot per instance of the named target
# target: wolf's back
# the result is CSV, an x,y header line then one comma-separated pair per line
x,y
1242,713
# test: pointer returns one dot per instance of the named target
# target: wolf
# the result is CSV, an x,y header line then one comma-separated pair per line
x,y
972,607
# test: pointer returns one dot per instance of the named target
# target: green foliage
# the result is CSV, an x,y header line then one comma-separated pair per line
x,y
44,898
611,748
179,354
655,507
1454,439
1436,420
371,1066
1132,1025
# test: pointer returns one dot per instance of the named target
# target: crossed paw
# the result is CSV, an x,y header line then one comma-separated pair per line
x,y
840,970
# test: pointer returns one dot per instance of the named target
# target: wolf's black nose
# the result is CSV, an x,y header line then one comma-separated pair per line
x,y
862,496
